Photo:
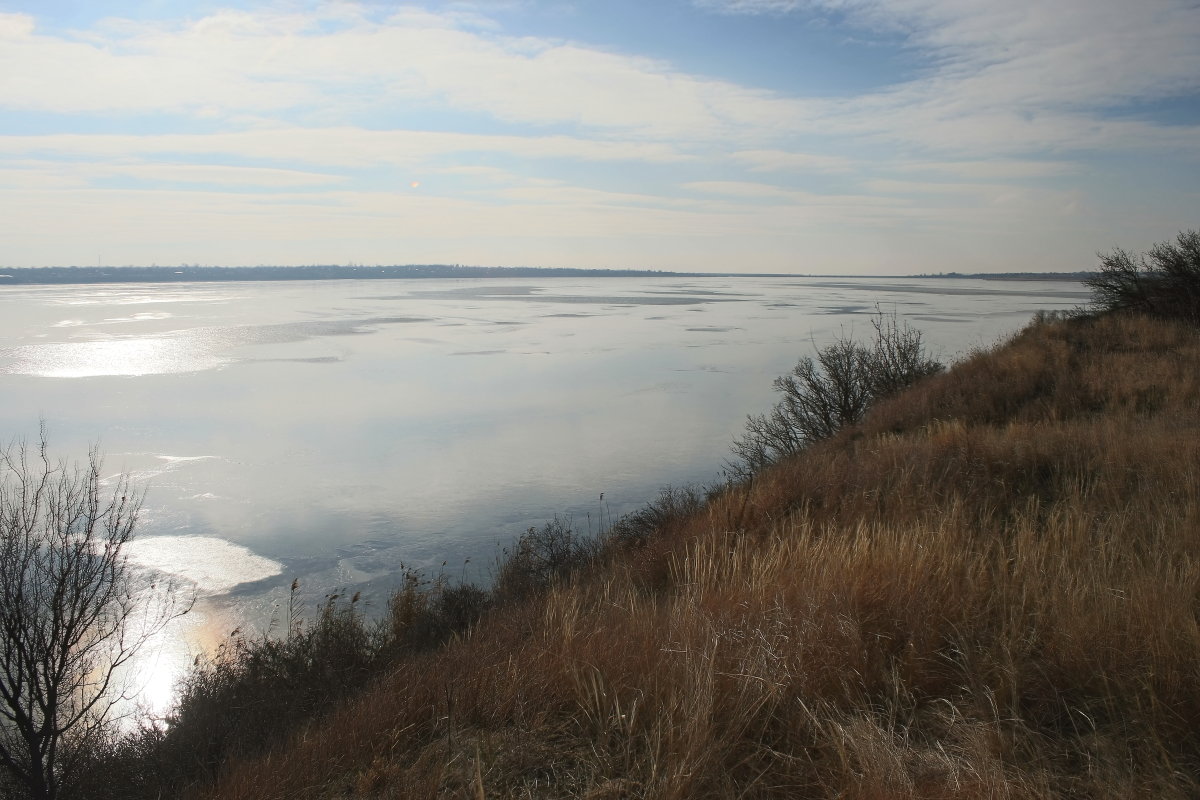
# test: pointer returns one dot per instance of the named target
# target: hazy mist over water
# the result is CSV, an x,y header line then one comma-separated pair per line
x,y
333,430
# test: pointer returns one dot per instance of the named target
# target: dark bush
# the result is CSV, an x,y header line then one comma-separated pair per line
x,y
674,503
461,606
256,690
540,557
835,389
423,613
1164,282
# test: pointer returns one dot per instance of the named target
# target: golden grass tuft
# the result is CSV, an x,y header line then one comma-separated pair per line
x,y
989,589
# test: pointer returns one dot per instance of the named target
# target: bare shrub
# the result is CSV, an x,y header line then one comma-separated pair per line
x,y
1164,282
825,394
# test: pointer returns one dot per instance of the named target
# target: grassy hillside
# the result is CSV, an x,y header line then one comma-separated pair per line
x,y
989,588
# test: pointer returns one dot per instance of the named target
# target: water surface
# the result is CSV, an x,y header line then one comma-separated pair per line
x,y
332,431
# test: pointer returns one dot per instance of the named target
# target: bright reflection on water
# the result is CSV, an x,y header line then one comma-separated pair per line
x,y
178,570
150,682
333,431
113,357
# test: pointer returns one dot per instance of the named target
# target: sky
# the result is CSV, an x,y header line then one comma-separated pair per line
x,y
855,137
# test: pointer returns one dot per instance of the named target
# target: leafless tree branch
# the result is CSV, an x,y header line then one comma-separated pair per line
x,y
70,614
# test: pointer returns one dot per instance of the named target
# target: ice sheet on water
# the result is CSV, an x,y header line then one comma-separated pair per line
x,y
213,565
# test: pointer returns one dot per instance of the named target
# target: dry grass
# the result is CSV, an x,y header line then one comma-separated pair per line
x,y
987,590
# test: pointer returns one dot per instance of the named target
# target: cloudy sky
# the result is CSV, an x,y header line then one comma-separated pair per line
x,y
811,136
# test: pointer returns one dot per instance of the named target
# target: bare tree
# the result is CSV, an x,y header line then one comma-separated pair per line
x,y
71,616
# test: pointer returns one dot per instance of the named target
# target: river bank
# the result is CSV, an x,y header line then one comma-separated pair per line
x,y
987,589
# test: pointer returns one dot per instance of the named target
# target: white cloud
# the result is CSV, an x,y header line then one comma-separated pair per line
x,y
326,64
755,6
1020,76
339,146
991,169
381,227
124,68
1022,199
15,26
582,198
216,174
784,197
788,161
741,189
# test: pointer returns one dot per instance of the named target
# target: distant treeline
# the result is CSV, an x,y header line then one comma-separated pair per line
x,y
329,272
320,272
1015,276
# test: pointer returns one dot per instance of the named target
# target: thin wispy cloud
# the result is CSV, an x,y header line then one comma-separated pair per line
x,y
1026,73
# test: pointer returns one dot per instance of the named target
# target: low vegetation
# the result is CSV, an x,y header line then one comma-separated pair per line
x,y
985,585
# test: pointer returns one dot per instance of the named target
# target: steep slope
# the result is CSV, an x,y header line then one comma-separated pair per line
x,y
988,589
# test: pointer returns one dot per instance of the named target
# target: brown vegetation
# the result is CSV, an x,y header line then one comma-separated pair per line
x,y
988,588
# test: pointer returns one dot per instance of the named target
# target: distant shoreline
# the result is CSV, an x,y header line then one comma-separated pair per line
x,y
26,276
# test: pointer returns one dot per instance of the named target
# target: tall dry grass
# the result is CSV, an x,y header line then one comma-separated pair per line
x,y
989,589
